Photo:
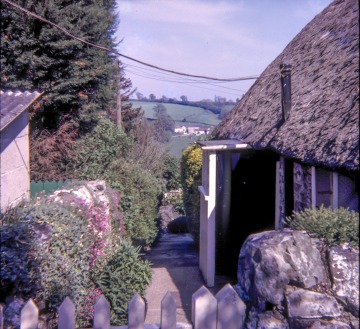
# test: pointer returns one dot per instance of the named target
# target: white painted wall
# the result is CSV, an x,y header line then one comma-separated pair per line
x,y
207,218
15,162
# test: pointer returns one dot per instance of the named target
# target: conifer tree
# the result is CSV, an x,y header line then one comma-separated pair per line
x,y
76,78
79,82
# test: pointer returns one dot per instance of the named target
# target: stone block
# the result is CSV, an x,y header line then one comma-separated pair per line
x,y
272,260
311,305
344,269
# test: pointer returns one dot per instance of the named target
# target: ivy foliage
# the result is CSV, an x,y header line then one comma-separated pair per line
x,y
336,226
191,167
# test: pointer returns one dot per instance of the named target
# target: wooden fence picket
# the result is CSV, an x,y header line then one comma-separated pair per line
x,y
231,310
224,311
29,317
168,312
101,314
204,307
66,318
136,317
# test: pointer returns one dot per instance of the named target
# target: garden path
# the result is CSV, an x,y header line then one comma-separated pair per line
x,y
175,264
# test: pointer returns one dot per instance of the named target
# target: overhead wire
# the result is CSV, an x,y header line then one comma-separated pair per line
x,y
193,84
125,56
152,74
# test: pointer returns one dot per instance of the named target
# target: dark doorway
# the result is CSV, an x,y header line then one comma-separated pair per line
x,y
252,207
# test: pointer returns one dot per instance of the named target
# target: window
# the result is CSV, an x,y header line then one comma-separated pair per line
x,y
348,194
324,187
333,190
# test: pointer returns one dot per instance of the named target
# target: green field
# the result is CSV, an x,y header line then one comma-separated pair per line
x,y
194,116
178,144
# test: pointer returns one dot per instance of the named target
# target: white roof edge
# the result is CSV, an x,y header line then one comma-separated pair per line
x,y
226,147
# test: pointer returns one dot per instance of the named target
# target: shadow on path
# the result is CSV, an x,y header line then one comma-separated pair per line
x,y
175,264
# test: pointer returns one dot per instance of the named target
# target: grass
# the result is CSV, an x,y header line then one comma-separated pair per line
x,y
178,144
194,116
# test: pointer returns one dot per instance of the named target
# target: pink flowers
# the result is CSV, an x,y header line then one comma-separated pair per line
x,y
99,230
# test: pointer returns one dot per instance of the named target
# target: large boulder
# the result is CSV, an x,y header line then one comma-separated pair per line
x,y
272,260
344,269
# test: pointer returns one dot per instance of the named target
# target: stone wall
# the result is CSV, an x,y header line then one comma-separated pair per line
x,y
291,281
302,187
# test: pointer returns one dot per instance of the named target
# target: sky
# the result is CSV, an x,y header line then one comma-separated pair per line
x,y
215,38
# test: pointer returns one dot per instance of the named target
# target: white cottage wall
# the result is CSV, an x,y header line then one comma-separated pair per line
x,y
15,162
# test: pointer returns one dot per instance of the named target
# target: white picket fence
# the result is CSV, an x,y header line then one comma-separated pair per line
x,y
225,310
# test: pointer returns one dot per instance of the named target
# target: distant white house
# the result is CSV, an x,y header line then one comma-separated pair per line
x,y
182,130
14,137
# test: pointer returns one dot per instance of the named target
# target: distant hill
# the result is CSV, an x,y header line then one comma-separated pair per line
x,y
182,114
194,117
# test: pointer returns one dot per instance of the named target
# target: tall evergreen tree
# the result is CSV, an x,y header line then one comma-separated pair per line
x,y
75,77
79,81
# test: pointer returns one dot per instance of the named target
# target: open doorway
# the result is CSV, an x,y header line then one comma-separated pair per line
x,y
252,207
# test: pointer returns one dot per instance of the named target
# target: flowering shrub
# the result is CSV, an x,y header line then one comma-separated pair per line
x,y
99,229
50,246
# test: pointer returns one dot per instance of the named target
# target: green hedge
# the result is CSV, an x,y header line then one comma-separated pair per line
x,y
191,167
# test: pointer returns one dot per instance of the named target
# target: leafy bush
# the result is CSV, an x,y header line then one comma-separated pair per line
x,y
178,225
98,149
134,167
51,256
191,167
140,191
120,275
49,248
335,226
18,260
172,173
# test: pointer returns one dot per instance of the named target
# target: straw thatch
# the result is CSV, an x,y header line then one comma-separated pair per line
x,y
323,127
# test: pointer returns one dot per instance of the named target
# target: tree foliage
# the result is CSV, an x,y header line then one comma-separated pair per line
x,y
191,167
36,55
164,124
79,82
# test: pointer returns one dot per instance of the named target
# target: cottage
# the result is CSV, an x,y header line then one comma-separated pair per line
x,y
14,137
292,141
180,130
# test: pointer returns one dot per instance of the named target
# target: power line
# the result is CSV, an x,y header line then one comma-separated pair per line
x,y
193,84
122,55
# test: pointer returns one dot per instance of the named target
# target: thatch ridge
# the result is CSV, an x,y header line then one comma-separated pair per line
x,y
323,127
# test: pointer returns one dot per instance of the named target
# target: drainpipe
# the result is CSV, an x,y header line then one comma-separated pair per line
x,y
285,71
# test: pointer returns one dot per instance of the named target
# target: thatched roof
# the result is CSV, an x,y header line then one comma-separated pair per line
x,y
323,127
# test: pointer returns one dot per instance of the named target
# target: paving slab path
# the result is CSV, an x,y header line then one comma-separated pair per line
x,y
175,264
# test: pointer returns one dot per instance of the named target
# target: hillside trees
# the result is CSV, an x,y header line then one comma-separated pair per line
x,y
78,81
164,124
